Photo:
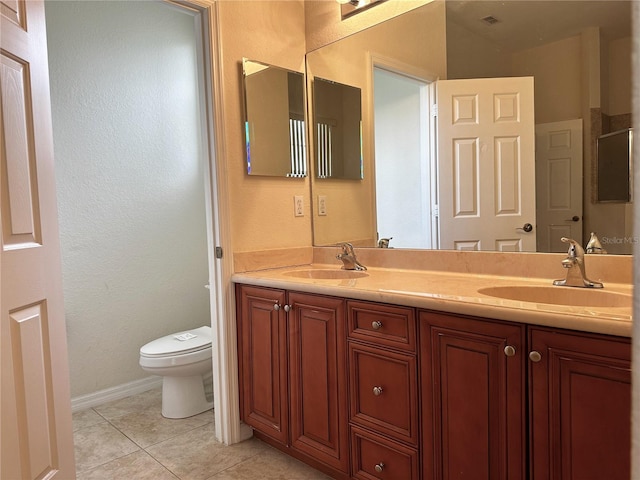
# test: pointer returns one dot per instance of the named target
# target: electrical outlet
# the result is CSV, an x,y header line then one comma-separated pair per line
x,y
322,205
298,206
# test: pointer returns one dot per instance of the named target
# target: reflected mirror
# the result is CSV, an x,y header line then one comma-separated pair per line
x,y
615,153
337,130
274,120
578,53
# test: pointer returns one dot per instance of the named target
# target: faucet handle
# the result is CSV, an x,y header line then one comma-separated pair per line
x,y
575,249
347,248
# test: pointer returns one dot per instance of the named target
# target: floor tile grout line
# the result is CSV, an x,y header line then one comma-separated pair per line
x,y
164,466
164,439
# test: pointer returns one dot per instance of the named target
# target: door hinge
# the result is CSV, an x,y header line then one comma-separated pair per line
x,y
218,252
434,110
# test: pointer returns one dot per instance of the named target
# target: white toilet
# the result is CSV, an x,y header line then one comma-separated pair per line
x,y
183,359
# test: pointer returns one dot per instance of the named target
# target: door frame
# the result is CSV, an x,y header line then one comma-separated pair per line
x,y
228,428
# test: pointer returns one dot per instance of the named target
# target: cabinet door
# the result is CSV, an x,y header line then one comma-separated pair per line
x,y
580,397
263,364
473,400
317,364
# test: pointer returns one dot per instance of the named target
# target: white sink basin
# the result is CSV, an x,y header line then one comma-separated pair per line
x,y
326,274
571,296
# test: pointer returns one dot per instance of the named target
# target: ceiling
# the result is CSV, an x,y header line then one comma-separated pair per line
x,y
526,24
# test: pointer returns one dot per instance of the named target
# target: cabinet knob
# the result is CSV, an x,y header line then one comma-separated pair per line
x,y
376,325
509,350
377,391
379,467
535,356
276,306
287,308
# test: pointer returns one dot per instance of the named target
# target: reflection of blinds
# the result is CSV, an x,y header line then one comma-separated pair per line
x,y
298,148
324,150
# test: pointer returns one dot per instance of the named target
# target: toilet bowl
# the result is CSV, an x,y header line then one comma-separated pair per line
x,y
183,359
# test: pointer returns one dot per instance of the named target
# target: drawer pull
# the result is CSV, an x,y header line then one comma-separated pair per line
x,y
379,467
509,350
377,391
535,356
376,325
276,306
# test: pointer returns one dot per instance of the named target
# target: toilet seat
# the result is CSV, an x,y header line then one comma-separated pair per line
x,y
181,343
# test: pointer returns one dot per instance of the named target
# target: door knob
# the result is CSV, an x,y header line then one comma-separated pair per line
x,y
377,391
575,218
527,227
379,467
535,356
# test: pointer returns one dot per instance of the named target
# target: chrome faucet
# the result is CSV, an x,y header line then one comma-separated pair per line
x,y
574,263
594,245
348,257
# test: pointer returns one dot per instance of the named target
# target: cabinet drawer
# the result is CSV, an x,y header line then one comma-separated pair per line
x,y
375,457
383,324
383,393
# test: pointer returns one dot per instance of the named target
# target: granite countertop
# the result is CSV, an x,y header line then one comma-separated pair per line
x,y
458,293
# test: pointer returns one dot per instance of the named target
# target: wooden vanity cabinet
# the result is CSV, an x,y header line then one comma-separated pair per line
x,y
580,406
383,391
293,372
476,376
363,390
473,398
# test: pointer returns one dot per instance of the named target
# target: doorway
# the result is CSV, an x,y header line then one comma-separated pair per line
x,y
135,198
402,159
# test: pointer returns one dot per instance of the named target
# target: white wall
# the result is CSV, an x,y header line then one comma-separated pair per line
x,y
403,196
130,182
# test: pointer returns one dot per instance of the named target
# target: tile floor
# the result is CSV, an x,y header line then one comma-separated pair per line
x,y
130,439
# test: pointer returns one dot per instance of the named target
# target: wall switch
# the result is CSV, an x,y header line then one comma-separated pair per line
x,y
322,205
298,206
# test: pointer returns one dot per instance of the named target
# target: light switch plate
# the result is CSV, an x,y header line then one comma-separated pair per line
x,y
298,206
322,205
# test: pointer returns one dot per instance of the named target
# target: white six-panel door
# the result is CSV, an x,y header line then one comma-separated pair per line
x,y
486,169
559,184
36,434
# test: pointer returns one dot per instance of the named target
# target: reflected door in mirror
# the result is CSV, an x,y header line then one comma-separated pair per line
x,y
486,164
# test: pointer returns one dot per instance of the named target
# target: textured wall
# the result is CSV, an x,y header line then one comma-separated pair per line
x,y
262,211
130,182
557,97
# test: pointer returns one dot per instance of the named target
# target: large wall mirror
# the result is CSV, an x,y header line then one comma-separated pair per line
x,y
579,56
275,133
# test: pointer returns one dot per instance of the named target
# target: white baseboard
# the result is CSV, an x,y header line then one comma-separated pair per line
x,y
115,393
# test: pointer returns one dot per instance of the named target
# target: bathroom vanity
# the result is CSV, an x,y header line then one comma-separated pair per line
x,y
432,379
